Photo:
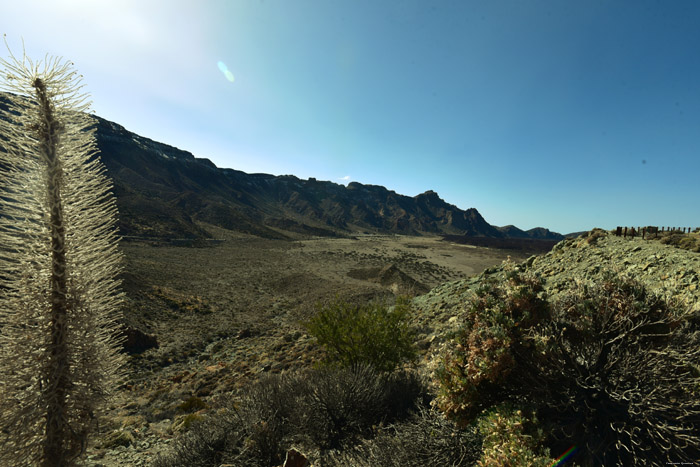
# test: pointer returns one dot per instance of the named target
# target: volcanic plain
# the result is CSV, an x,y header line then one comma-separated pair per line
x,y
212,317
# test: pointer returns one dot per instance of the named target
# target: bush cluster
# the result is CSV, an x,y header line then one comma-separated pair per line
x,y
370,333
511,439
426,438
472,376
685,241
323,409
611,369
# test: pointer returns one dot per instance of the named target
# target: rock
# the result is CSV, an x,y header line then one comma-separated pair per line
x,y
117,439
295,459
137,341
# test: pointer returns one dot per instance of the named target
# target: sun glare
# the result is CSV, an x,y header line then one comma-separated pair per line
x,y
224,69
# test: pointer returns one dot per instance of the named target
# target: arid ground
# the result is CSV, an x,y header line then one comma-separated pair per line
x,y
226,313
248,285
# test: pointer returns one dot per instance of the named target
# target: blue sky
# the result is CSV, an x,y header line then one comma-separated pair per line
x,y
561,114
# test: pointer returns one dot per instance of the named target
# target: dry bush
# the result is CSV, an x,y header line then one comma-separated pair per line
x,y
426,438
611,369
211,442
323,409
472,376
615,372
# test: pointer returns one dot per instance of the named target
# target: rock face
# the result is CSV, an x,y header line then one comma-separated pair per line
x,y
163,191
664,269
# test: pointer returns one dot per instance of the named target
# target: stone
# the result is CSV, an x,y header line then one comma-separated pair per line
x,y
295,459
137,341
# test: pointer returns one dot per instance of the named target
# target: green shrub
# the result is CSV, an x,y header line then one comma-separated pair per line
x,y
511,439
472,376
364,334
610,368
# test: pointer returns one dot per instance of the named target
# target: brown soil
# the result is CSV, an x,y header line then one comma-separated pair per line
x,y
225,314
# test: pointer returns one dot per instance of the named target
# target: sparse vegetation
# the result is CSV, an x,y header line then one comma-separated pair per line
x,y
371,333
689,241
610,368
192,404
593,236
426,438
321,409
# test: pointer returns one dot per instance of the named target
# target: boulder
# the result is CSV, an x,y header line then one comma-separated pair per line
x,y
137,341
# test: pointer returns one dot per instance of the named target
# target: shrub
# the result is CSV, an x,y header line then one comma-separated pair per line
x,y
426,438
510,439
593,236
327,408
364,334
610,368
192,404
685,241
615,373
472,377
212,442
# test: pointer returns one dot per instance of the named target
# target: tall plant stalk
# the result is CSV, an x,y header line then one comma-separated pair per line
x,y
59,293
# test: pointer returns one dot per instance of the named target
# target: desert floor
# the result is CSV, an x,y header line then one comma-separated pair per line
x,y
227,314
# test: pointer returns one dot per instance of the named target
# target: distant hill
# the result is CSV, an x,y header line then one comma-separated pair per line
x,y
538,233
165,192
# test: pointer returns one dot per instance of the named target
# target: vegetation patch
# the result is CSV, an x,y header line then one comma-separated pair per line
x,y
610,368
192,404
327,409
372,333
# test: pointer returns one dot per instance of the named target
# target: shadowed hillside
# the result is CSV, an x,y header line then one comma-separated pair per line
x,y
163,192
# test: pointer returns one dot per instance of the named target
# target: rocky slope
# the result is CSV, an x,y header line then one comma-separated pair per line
x,y
164,192
664,269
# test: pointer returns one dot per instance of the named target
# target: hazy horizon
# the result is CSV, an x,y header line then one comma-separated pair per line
x,y
563,115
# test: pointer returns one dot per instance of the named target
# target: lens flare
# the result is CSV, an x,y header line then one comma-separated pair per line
x,y
566,456
224,69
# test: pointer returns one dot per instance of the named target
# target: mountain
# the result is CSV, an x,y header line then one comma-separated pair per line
x,y
165,192
511,231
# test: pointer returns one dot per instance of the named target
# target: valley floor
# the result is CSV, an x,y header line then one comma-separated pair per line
x,y
226,314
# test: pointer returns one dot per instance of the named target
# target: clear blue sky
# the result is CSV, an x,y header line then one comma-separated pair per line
x,y
561,114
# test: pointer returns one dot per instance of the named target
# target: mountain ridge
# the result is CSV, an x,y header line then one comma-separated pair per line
x,y
164,191
167,193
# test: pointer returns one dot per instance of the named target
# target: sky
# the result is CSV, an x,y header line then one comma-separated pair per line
x,y
562,114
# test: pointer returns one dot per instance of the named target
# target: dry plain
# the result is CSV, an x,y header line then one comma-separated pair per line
x,y
227,313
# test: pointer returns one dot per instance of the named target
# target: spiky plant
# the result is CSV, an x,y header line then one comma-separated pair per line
x,y
59,293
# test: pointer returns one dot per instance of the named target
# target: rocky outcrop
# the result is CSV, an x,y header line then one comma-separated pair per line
x,y
391,277
664,269
137,341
